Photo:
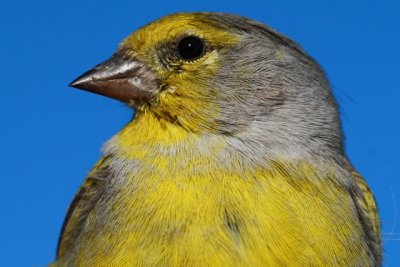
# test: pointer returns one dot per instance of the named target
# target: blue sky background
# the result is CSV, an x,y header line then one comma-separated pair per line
x,y
51,134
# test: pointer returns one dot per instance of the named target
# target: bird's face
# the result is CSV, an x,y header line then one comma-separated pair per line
x,y
168,67
185,51
224,74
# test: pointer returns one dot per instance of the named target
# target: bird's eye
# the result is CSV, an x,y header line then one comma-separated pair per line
x,y
191,48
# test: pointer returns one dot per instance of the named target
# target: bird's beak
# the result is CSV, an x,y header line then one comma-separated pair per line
x,y
120,77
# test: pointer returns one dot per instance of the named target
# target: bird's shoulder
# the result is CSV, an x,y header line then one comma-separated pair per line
x,y
84,201
369,212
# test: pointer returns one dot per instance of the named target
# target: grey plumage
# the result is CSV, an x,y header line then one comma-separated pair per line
x,y
274,105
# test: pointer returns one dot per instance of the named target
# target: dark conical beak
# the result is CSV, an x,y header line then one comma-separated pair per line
x,y
120,77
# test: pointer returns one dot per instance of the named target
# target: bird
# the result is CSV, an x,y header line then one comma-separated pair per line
x,y
234,156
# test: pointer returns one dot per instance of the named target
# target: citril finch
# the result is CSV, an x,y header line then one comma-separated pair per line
x,y
234,156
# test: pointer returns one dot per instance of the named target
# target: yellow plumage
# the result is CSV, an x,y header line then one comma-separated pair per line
x,y
172,191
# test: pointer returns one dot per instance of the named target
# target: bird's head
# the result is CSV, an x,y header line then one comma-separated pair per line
x,y
222,74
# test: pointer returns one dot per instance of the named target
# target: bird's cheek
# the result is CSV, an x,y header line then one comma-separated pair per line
x,y
188,106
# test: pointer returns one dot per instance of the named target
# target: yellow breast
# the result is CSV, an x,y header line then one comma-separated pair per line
x,y
166,207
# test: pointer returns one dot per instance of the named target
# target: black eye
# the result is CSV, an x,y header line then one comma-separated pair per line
x,y
190,48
